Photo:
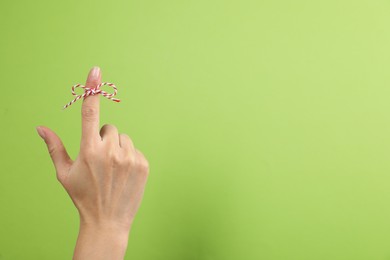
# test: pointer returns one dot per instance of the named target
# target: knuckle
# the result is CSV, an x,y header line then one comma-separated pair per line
x,y
89,112
131,161
108,128
144,166
116,159
143,163
105,125
128,162
126,140
113,127
126,137
109,154
52,149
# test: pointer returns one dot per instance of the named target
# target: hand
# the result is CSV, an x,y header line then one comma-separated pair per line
x,y
106,182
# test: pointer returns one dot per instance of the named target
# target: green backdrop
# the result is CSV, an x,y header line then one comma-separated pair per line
x,y
266,124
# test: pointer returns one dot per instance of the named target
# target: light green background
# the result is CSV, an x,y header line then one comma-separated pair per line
x,y
266,124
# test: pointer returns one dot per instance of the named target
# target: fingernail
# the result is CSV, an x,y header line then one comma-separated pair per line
x,y
40,132
95,71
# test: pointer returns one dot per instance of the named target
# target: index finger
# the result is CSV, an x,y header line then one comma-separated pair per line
x,y
90,110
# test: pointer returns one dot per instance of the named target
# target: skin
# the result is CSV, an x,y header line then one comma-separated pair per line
x,y
106,182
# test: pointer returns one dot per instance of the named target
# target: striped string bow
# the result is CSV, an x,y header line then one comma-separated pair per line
x,y
93,91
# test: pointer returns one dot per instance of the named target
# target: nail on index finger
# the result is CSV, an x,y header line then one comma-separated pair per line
x,y
90,110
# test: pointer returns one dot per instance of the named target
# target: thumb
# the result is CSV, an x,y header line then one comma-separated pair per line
x,y
57,151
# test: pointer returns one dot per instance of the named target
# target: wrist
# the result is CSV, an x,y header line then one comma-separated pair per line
x,y
101,241
114,231
122,228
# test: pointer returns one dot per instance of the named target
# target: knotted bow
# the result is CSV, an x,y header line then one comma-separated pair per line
x,y
93,91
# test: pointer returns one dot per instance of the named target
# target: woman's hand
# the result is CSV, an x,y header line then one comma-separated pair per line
x,y
106,182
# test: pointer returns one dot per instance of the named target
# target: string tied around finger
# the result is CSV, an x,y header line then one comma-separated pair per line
x,y
93,91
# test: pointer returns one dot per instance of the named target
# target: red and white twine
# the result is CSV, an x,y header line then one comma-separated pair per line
x,y
93,91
